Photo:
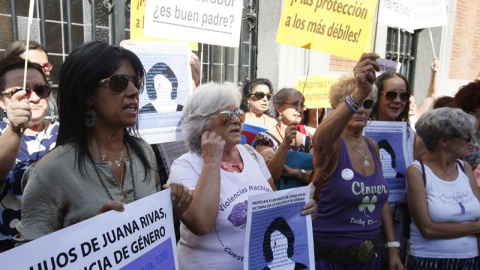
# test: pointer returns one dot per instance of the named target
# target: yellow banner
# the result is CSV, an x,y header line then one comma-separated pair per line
x,y
337,27
137,15
315,90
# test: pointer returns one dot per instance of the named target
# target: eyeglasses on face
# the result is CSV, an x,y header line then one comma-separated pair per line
x,y
225,117
367,104
467,138
47,67
392,95
42,91
261,95
295,105
119,82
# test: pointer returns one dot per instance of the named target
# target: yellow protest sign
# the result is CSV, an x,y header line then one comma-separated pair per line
x,y
137,16
315,90
337,27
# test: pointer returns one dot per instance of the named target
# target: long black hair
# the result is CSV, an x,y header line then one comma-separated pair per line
x,y
83,69
248,88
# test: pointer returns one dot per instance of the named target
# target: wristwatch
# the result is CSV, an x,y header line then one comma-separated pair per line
x,y
393,244
303,173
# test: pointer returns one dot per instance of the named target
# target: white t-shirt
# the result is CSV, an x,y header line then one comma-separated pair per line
x,y
223,246
448,201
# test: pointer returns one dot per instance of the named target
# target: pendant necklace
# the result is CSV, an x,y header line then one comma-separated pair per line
x,y
117,161
366,163
122,188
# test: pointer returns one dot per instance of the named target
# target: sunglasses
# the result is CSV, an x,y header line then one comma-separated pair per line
x,y
367,104
392,95
47,67
261,95
296,105
42,91
118,82
225,117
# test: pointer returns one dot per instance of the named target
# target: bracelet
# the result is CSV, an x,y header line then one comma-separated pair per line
x,y
349,106
349,100
395,244
350,97
303,173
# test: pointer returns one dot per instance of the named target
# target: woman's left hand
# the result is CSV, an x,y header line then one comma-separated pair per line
x,y
310,208
394,259
181,197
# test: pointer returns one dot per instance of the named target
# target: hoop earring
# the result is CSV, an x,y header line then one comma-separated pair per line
x,y
369,121
89,118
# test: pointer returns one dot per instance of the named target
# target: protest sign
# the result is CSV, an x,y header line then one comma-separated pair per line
x,y
411,15
339,28
206,21
429,13
165,91
387,66
137,25
273,219
315,90
140,237
392,144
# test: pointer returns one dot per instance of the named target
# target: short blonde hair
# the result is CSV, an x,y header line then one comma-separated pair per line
x,y
345,86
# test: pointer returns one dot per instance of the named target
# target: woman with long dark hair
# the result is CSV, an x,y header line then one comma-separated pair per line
x,y
98,164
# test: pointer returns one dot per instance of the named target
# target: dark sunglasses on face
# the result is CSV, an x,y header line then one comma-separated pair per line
x,y
261,95
367,104
225,117
392,95
47,67
42,91
119,82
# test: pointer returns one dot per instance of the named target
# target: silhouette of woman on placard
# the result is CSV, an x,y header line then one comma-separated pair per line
x,y
388,159
278,242
161,85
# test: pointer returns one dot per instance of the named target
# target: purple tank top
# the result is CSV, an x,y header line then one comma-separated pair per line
x,y
350,204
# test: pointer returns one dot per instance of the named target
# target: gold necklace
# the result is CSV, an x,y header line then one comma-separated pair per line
x,y
117,161
122,189
366,163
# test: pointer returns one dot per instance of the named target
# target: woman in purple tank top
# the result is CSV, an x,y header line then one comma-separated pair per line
x,y
351,191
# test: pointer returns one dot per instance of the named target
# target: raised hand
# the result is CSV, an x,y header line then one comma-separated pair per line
x,y
364,73
19,112
212,147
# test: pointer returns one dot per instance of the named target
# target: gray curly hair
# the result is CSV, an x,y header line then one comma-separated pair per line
x,y
205,101
444,123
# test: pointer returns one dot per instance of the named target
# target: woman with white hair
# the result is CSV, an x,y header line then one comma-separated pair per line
x,y
222,173
442,195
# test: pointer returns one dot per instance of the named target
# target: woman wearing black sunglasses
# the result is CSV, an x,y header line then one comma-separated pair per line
x,y
25,136
351,192
223,174
393,105
256,104
99,164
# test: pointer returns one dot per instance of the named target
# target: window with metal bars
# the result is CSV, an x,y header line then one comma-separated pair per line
x,y
401,47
